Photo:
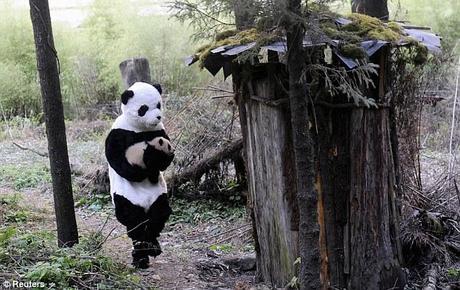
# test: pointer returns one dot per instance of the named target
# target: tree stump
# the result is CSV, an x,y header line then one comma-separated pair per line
x,y
135,70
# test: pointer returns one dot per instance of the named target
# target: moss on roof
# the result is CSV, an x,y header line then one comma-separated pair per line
x,y
350,36
234,37
368,27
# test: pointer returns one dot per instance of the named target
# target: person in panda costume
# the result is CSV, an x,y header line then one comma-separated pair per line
x,y
138,150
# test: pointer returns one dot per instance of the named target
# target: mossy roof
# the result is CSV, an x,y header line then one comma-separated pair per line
x,y
350,38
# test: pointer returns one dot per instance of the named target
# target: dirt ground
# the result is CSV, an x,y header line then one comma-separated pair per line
x,y
206,254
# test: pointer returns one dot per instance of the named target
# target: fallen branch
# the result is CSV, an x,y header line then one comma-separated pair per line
x,y
22,147
457,191
431,278
195,172
453,247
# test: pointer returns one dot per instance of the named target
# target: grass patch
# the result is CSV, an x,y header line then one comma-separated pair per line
x,y
94,202
21,177
199,211
34,257
453,273
225,248
11,212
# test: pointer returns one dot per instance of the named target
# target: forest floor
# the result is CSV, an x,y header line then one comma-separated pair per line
x,y
206,244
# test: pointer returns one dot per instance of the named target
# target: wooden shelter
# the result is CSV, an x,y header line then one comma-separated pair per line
x,y
356,165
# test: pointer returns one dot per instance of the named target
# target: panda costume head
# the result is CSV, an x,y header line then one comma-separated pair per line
x,y
138,150
141,107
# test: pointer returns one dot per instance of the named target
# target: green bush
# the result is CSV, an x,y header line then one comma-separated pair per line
x,y
36,257
198,211
89,56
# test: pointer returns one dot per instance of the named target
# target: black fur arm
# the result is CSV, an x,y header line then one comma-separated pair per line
x,y
115,147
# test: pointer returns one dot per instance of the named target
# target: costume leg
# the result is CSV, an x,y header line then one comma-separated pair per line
x,y
136,220
158,213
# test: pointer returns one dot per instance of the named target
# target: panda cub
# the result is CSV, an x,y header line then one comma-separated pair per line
x,y
138,150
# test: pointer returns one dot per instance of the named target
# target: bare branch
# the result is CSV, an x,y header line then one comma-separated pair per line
x,y
22,147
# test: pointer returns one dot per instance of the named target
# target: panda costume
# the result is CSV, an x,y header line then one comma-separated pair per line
x,y
138,150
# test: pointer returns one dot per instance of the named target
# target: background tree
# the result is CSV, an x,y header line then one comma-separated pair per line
x,y
307,199
374,8
48,71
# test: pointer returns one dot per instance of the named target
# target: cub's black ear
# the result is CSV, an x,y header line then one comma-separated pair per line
x,y
158,87
126,96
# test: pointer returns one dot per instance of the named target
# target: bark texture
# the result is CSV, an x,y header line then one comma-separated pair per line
x,y
307,195
244,14
375,8
373,252
271,178
47,65
135,70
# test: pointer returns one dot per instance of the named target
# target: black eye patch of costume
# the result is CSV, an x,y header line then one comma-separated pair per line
x,y
142,110
159,106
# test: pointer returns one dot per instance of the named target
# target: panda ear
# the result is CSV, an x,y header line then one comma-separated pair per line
x,y
158,87
128,94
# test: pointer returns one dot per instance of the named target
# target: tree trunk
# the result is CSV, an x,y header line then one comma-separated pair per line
x,y
47,65
374,8
307,198
244,11
373,259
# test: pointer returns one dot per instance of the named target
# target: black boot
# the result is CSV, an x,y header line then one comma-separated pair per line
x,y
140,255
154,248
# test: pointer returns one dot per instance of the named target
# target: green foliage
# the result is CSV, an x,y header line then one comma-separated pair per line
x,y
440,15
17,216
89,56
10,200
208,16
453,273
6,234
198,211
26,176
36,257
12,212
19,92
94,202
224,248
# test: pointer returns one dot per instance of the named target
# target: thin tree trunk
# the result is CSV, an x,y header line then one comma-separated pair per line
x,y
304,154
244,14
47,65
374,8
